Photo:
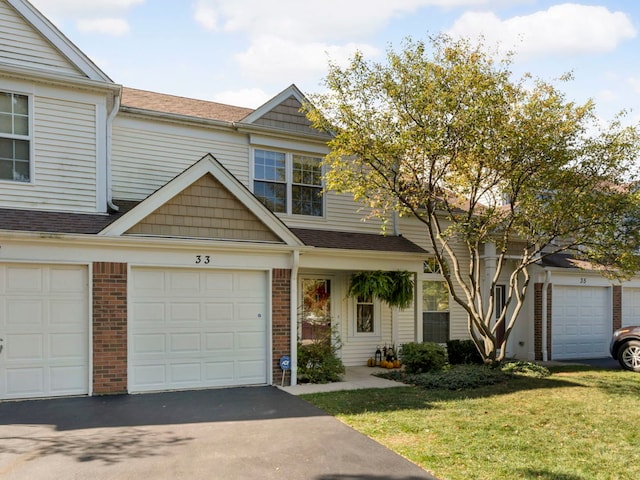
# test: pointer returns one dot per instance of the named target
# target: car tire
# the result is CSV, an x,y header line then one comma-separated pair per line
x,y
629,356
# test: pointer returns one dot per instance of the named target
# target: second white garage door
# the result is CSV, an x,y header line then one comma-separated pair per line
x,y
581,319
197,328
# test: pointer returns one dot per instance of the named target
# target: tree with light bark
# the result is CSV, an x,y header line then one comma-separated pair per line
x,y
442,131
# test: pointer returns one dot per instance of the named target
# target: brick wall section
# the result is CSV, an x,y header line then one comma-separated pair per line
x,y
281,321
109,328
617,306
537,318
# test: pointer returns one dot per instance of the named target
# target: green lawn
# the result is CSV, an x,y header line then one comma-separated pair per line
x,y
577,424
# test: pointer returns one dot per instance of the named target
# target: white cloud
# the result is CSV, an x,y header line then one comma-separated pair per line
x,y
634,82
84,8
567,28
108,26
94,16
205,15
331,20
275,57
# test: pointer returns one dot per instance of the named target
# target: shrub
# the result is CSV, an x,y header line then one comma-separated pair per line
x,y
318,363
423,357
526,369
463,351
459,377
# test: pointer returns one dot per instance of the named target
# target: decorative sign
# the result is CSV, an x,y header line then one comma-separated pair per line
x,y
285,362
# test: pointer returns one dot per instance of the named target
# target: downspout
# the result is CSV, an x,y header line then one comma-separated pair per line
x,y
545,287
293,304
110,118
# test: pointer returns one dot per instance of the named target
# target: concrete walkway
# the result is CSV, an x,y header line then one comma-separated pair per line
x,y
355,378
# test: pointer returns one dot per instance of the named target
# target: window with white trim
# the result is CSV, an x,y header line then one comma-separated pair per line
x,y
435,304
288,182
366,318
15,139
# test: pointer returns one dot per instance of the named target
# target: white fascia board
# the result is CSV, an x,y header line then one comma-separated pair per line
x,y
207,165
59,40
274,102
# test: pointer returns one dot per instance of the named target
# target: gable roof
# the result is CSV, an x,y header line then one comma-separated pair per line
x,y
283,112
207,165
59,41
190,107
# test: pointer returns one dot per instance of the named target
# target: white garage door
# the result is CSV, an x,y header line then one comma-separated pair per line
x,y
44,325
581,322
630,306
197,328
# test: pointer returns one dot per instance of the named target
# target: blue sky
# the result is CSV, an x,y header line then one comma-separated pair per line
x,y
243,52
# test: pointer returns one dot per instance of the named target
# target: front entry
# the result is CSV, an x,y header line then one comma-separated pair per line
x,y
315,318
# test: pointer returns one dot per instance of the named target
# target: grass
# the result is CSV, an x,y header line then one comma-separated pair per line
x,y
577,424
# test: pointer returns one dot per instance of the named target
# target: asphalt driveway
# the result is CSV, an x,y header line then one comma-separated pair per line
x,y
236,433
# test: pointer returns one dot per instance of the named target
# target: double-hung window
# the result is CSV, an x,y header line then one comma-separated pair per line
x,y
435,304
288,183
15,140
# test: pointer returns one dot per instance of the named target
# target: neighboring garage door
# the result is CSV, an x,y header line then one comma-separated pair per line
x,y
630,306
581,322
197,328
44,325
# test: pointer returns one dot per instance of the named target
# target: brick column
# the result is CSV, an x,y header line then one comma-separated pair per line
x,y
109,328
617,306
281,321
537,320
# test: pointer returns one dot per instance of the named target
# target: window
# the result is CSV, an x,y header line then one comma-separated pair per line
x,y
288,183
435,311
435,303
14,137
364,315
316,310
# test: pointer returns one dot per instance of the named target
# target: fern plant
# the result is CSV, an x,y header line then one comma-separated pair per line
x,y
393,288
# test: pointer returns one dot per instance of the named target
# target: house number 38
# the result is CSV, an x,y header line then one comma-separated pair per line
x,y
202,259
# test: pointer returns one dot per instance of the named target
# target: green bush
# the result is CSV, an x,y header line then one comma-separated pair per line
x,y
459,377
463,351
526,369
318,363
423,357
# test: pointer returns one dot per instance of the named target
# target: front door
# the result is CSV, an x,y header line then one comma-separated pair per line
x,y
314,323
500,300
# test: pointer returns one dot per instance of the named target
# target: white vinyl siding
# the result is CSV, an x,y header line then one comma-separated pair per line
x,y
25,47
356,350
147,155
418,234
65,147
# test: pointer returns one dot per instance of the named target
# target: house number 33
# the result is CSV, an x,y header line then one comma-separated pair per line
x,y
202,259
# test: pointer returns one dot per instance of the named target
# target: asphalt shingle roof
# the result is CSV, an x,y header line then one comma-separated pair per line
x,y
356,241
160,102
59,222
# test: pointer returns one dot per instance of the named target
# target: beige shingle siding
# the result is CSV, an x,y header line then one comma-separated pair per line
x,y
205,210
22,46
287,116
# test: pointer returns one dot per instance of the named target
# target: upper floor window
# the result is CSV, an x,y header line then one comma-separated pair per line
x,y
14,137
288,183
